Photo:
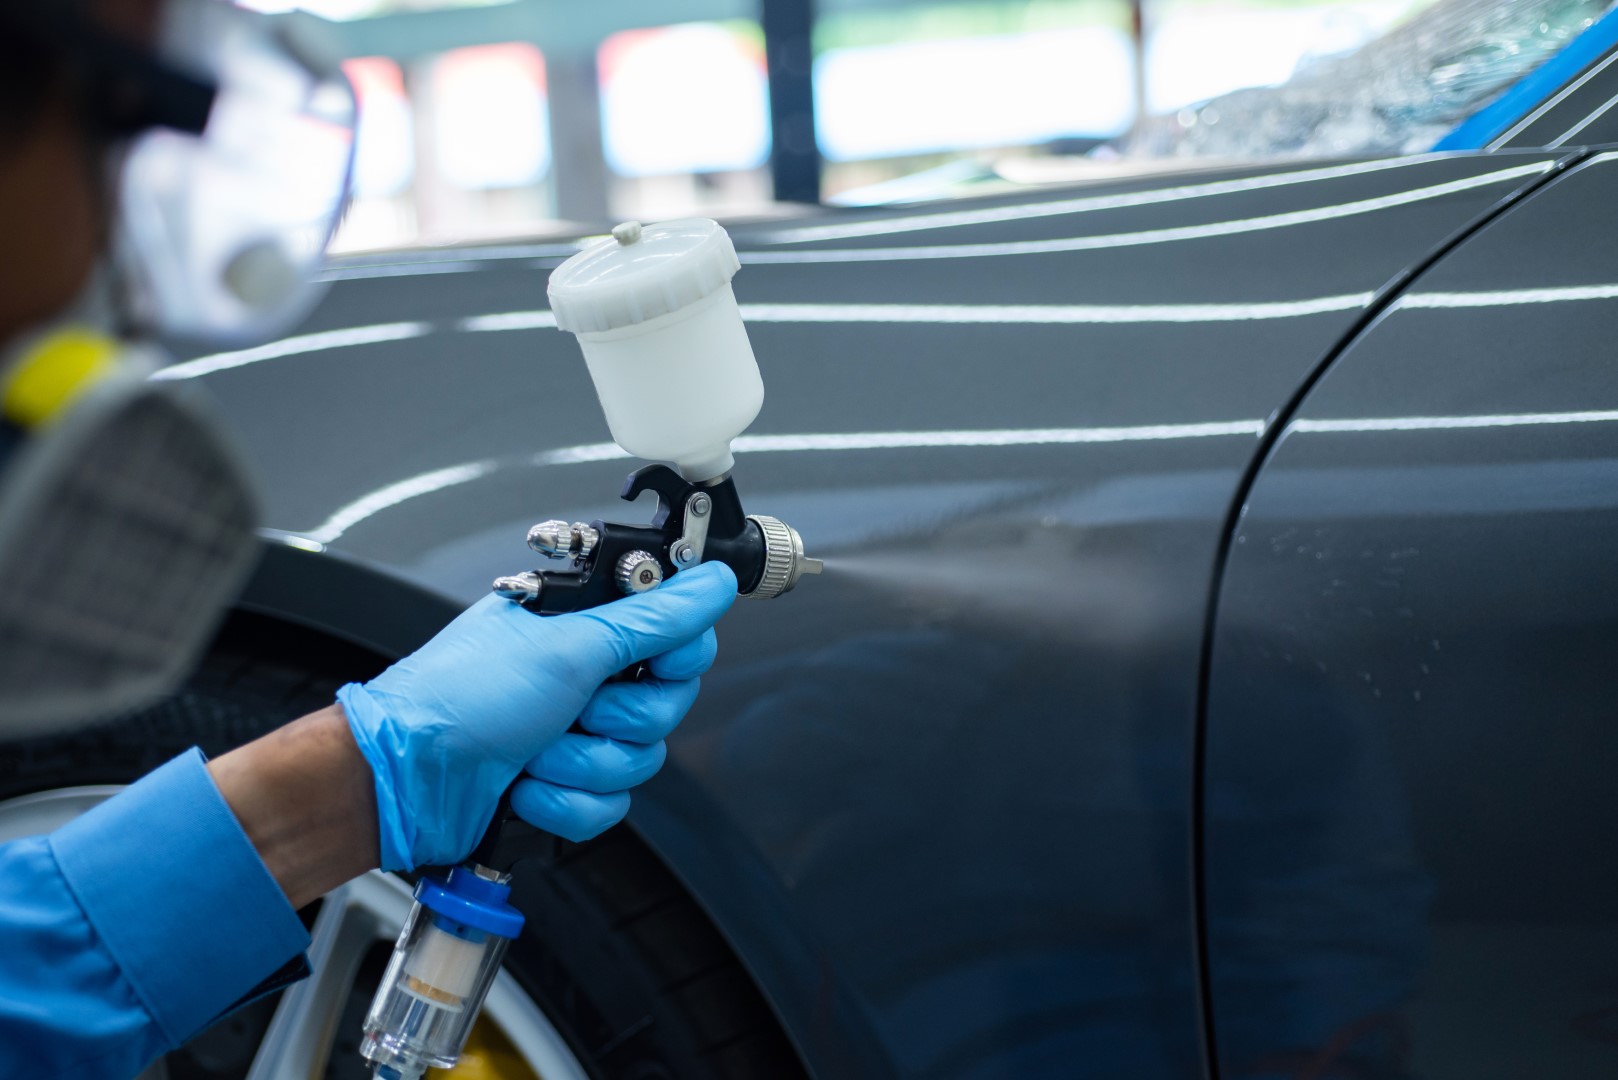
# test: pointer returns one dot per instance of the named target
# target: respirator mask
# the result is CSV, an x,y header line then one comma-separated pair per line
x,y
126,522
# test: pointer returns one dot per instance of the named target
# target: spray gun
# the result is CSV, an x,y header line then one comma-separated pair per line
x,y
663,338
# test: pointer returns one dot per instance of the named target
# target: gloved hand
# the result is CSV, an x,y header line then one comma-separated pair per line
x,y
447,729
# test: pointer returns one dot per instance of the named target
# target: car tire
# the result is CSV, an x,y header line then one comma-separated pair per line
x,y
617,954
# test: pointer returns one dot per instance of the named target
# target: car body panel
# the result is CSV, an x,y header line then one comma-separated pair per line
x,y
940,798
1410,738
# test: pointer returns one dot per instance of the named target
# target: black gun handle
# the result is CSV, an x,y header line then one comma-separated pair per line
x,y
639,671
509,838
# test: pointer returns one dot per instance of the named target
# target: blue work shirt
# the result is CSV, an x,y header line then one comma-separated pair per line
x,y
133,927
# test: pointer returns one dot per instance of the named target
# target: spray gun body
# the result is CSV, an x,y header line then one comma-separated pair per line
x,y
694,523
659,326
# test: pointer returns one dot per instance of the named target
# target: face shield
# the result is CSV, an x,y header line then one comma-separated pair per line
x,y
126,521
220,232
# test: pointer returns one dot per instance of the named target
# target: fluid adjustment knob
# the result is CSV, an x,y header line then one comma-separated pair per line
x,y
585,539
559,540
638,572
784,560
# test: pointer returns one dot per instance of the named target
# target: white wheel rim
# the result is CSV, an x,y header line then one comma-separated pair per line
x,y
352,919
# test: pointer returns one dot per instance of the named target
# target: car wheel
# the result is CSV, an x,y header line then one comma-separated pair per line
x,y
619,973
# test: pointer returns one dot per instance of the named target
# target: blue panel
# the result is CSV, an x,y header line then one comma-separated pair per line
x,y
1488,123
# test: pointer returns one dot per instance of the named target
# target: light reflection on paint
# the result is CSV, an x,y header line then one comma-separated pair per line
x,y
372,503
467,258
1454,423
1146,236
1562,139
324,341
1552,103
1506,297
986,314
951,219
292,540
1009,314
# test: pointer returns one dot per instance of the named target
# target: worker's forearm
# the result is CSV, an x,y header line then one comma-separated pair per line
x,y
306,798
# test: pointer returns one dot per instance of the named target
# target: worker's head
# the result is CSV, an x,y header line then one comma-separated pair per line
x,y
53,199
166,167
198,152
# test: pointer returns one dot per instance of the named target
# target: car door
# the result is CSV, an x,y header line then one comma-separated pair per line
x,y
1411,729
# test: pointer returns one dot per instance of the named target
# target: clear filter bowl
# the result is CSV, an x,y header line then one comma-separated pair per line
x,y
430,996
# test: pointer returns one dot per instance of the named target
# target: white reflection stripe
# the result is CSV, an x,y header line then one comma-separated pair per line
x,y
1051,313
381,499
1456,423
1015,314
448,260
508,320
346,517
387,270
292,346
1149,236
1507,297
1552,103
913,440
906,440
292,540
1055,208
1586,122
578,455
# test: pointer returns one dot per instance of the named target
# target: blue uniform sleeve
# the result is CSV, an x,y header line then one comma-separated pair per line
x,y
131,928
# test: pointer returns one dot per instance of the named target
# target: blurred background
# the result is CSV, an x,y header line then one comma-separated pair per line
x,y
485,119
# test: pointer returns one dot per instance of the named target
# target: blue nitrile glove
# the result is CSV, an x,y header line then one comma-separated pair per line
x,y
447,729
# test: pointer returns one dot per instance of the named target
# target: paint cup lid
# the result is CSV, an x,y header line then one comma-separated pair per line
x,y
640,273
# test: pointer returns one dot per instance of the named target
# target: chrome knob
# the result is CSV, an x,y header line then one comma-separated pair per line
x,y
585,540
559,540
639,572
519,587
551,538
784,560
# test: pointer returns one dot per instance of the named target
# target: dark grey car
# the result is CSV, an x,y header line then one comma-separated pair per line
x,y
1214,669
